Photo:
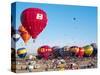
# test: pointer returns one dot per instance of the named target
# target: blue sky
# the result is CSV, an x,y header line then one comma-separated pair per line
x,y
61,29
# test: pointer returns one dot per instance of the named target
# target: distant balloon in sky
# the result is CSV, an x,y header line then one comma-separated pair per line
x,y
74,18
34,20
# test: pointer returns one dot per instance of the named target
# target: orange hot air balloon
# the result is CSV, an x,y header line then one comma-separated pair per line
x,y
74,50
24,34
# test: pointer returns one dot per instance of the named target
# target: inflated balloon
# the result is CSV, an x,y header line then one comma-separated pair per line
x,y
74,50
16,37
88,50
25,37
81,52
34,20
24,34
45,51
66,48
94,45
62,52
56,50
21,52
66,51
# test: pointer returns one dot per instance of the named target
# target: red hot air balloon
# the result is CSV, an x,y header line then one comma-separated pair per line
x,y
81,52
45,51
34,20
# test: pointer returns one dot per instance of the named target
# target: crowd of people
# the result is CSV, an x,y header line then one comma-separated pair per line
x,y
57,64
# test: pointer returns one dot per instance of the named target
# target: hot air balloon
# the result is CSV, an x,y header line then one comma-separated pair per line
x,y
16,37
21,52
25,37
81,52
64,52
24,34
45,51
34,20
55,51
88,50
74,50
94,49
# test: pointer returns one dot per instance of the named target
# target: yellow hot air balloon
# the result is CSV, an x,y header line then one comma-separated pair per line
x,y
21,52
88,50
24,34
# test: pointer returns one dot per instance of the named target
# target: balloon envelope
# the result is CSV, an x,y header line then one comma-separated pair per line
x,y
81,52
94,45
88,50
25,37
45,51
16,37
21,52
34,20
56,50
74,50
24,34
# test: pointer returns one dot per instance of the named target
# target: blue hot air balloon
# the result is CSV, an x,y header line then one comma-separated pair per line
x,y
94,45
16,37
22,52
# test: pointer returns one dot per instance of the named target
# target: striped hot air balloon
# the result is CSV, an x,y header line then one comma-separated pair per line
x,y
21,52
